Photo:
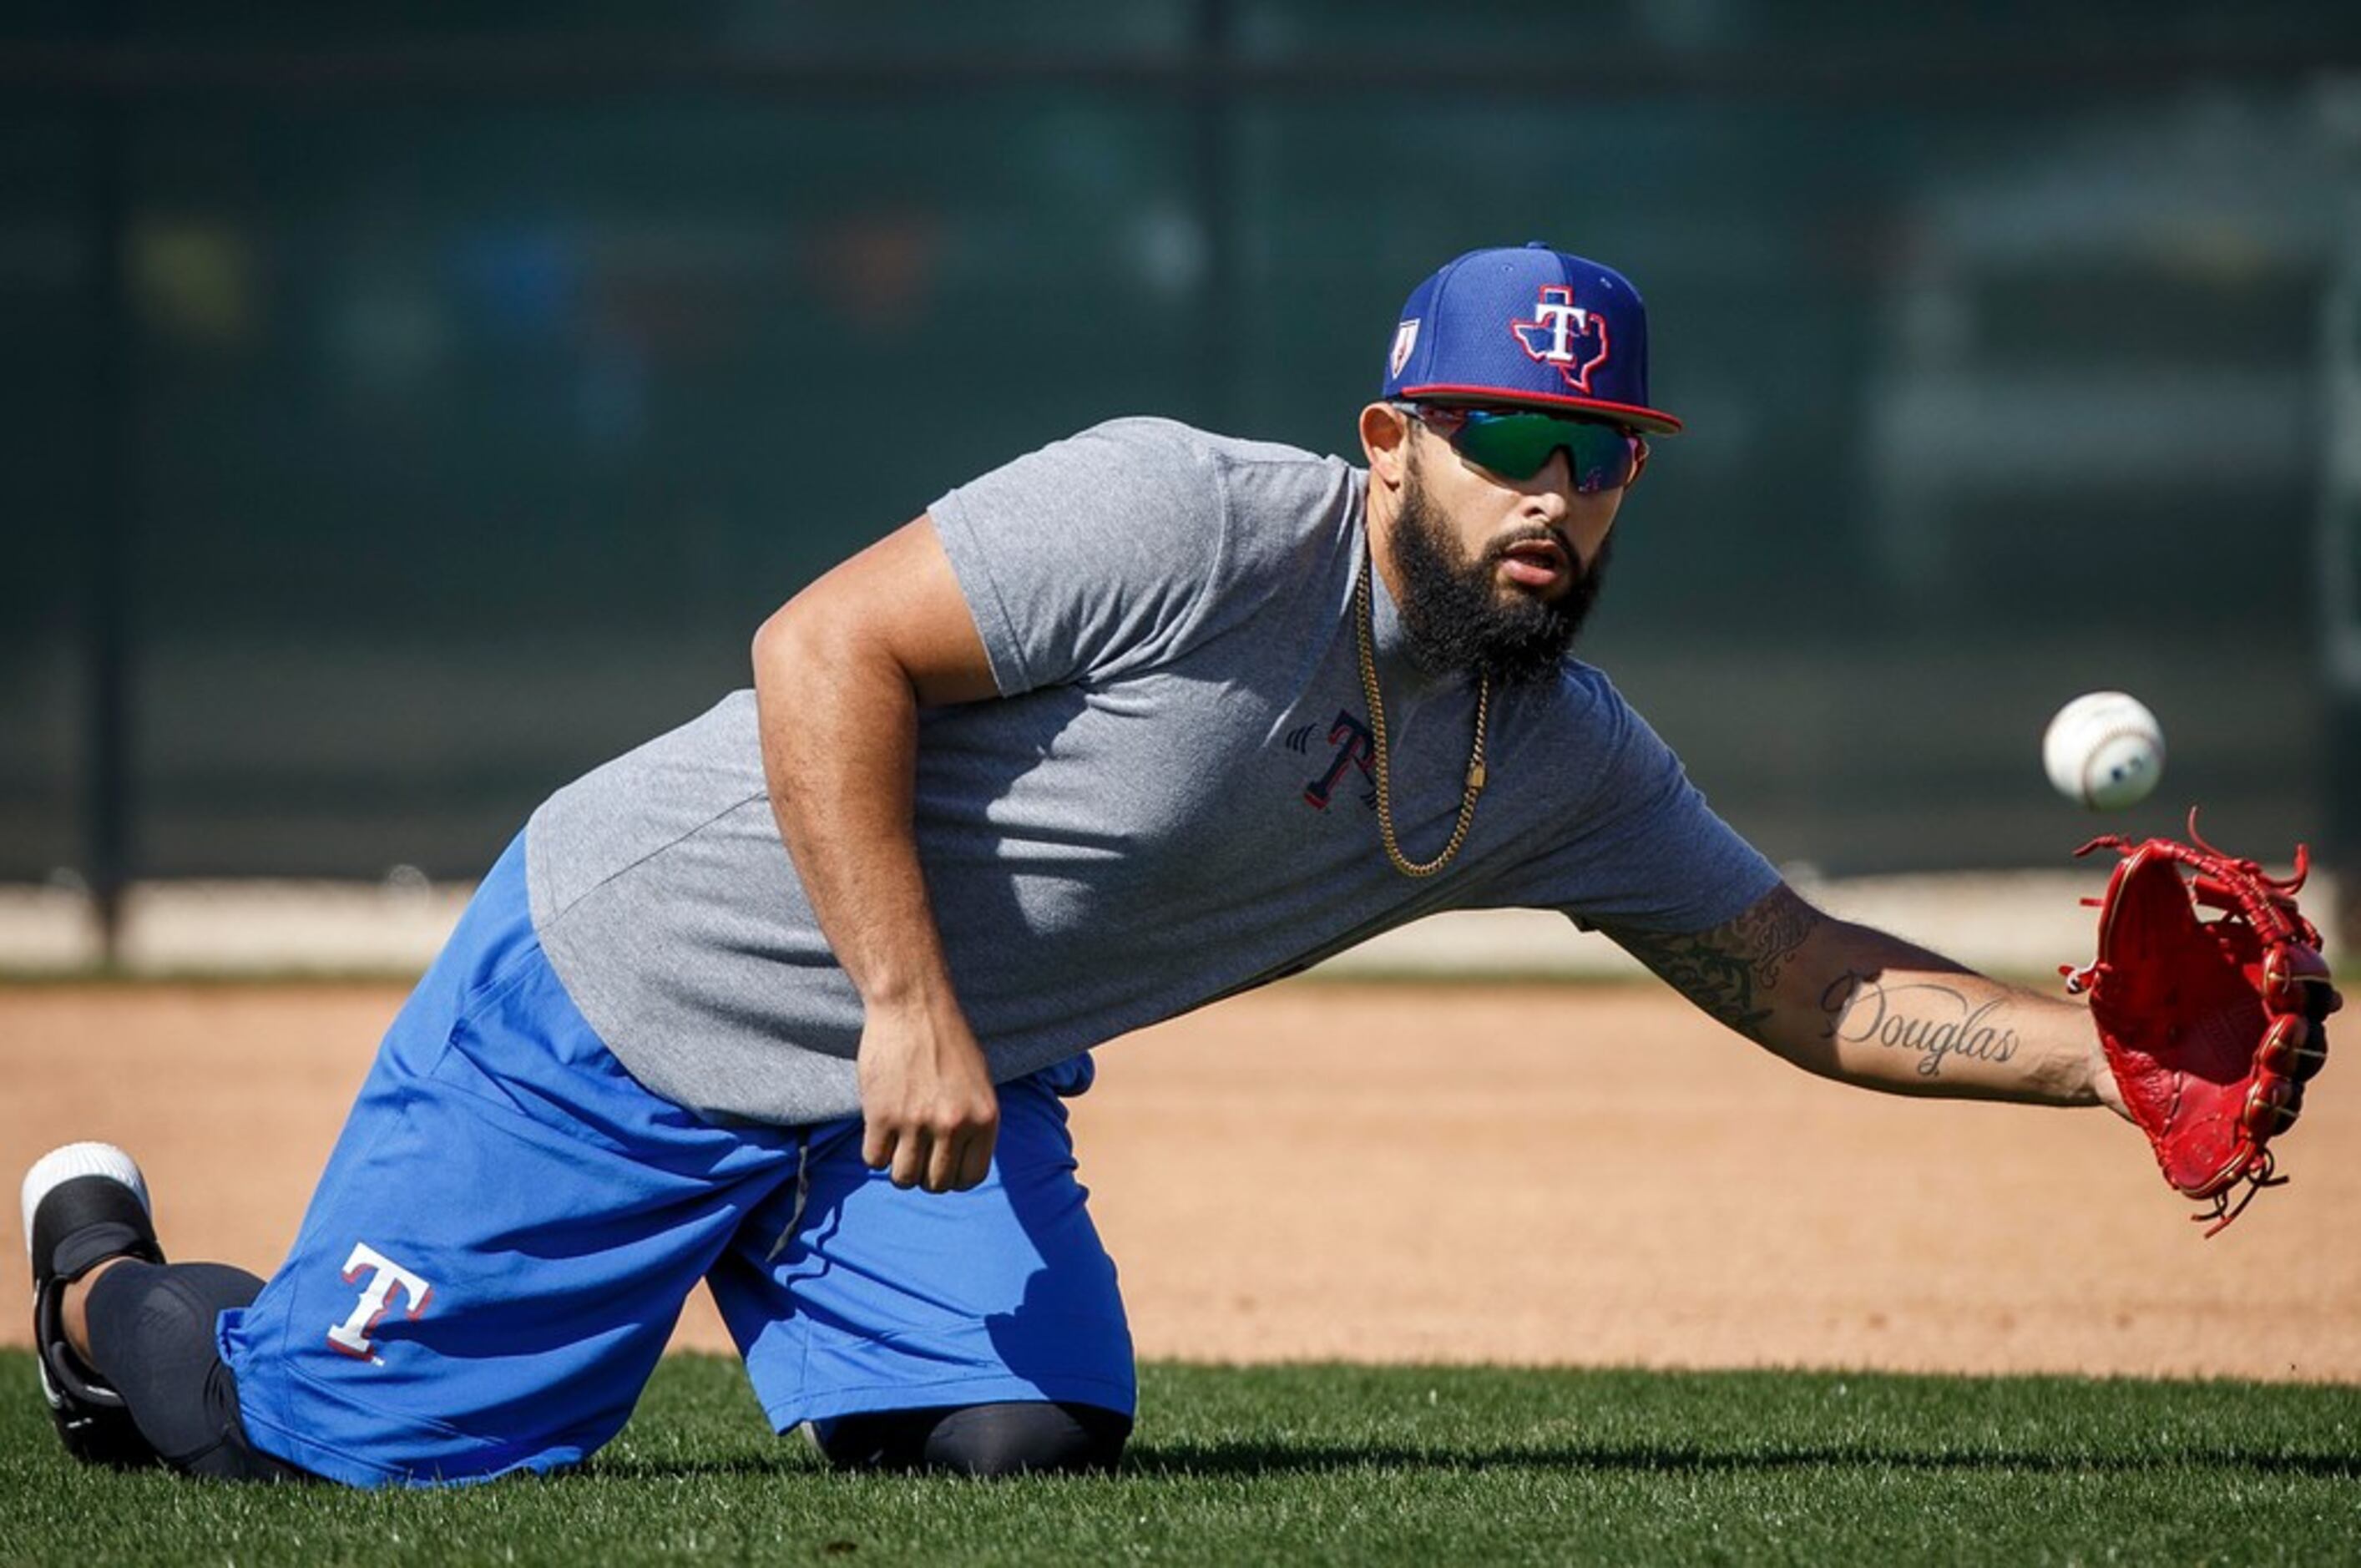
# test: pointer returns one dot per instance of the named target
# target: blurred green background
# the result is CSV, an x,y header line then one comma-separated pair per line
x,y
409,407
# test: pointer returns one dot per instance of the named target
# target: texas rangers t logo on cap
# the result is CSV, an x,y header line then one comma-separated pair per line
x,y
1526,325
1564,336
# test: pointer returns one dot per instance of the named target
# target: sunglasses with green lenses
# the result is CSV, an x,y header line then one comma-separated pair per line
x,y
1516,443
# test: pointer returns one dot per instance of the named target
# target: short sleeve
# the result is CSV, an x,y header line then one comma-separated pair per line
x,y
1647,852
1091,557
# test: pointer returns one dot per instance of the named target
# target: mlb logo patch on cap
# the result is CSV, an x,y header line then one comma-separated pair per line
x,y
1530,325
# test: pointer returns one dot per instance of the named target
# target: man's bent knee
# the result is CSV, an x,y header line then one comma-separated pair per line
x,y
1024,1438
151,1337
1019,1438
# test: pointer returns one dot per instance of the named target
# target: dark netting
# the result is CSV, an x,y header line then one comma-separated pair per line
x,y
437,413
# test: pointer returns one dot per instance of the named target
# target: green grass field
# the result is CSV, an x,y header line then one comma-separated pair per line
x,y
1343,1463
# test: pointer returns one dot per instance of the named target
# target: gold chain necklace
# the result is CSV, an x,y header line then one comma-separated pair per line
x,y
1364,618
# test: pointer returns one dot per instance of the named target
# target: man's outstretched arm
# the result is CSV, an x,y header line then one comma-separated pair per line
x,y
1850,1002
839,674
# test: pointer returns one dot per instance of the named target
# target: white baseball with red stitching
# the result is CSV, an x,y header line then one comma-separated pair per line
x,y
2103,750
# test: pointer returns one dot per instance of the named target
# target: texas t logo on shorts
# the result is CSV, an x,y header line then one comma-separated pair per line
x,y
1564,336
351,1336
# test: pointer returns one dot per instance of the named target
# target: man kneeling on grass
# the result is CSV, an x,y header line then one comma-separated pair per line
x,y
789,998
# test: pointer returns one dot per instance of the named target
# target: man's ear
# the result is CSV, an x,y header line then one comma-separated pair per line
x,y
1385,438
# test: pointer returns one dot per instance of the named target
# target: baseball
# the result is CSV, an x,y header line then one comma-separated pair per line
x,y
2105,751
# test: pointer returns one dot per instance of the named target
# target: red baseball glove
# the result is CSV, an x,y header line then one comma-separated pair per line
x,y
2211,1026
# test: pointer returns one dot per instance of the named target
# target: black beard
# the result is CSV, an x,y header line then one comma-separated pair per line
x,y
1458,619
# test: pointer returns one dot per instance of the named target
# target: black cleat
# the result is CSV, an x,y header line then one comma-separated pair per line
x,y
83,1204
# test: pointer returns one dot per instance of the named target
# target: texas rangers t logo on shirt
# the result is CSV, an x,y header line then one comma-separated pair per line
x,y
1564,336
1355,746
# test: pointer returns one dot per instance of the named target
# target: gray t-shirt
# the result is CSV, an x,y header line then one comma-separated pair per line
x,y
1170,801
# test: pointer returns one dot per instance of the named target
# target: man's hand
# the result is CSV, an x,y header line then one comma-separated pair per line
x,y
2102,1079
840,672
927,1098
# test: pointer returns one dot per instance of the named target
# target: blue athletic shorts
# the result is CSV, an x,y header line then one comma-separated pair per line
x,y
509,1222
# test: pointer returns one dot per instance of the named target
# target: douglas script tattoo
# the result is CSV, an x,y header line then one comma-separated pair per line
x,y
1929,1020
1730,969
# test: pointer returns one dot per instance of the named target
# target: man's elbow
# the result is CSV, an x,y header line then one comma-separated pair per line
x,y
789,640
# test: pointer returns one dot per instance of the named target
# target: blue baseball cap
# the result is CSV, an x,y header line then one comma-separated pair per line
x,y
1527,325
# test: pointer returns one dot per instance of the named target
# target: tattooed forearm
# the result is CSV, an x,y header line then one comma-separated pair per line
x,y
1729,970
1863,1007
1929,1020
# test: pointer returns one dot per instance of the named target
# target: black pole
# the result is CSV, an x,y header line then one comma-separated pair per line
x,y
2340,577
1212,102
108,589
2337,571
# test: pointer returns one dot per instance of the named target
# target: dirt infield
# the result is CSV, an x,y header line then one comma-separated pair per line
x,y
1570,1175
